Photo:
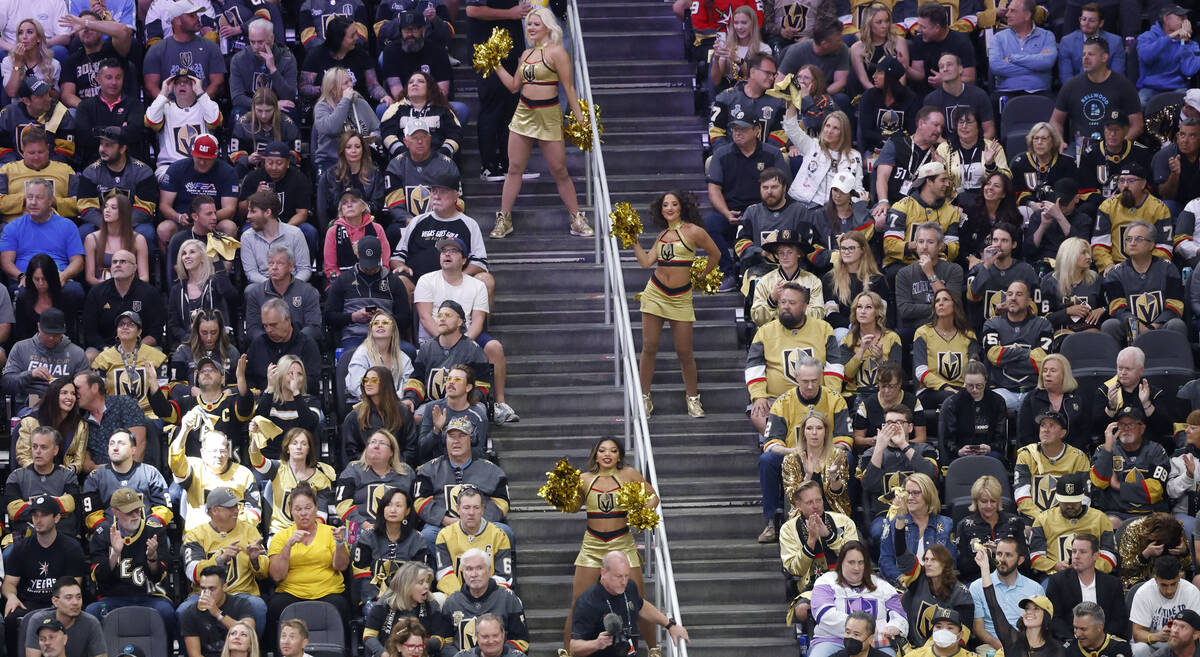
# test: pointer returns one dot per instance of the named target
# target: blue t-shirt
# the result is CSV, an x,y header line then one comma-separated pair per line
x,y
57,237
188,183
123,11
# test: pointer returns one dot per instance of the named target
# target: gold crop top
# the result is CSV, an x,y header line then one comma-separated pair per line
x,y
603,503
538,72
674,253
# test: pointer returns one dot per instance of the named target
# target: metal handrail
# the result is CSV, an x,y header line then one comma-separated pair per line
x,y
616,308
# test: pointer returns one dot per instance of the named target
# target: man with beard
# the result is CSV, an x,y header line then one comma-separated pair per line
x,y
1011,588
917,283
776,213
118,170
1094,93
810,541
1084,578
1129,473
788,337
1091,638
1103,159
413,52
1015,341
438,356
1051,544
1181,635
457,403
226,411
202,174
1145,290
926,203
122,472
991,276
85,638
1110,241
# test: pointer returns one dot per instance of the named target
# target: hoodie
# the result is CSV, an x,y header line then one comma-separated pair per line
x,y
1166,64
65,359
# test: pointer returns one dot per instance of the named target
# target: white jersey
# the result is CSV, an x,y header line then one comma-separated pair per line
x,y
178,127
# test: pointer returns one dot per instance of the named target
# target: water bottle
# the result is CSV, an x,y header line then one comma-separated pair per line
x,y
1133,328
1186,275
802,639
103,609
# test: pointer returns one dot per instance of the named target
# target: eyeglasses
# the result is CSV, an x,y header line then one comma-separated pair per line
x,y
767,73
381,322
370,379
1136,239
126,324
851,247
912,493
456,379
413,646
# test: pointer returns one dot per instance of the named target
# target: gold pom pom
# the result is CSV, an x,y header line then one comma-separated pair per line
x,y
626,224
580,134
562,487
705,284
490,53
634,498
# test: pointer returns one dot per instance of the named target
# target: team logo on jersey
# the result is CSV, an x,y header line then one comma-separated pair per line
x,y
136,306
1031,180
767,113
925,618
1105,179
375,492
795,16
791,362
465,629
184,136
129,383
1148,305
185,59
261,81
868,372
991,302
606,502
529,73
1064,542
889,121
950,364
765,236
666,251
1118,464
435,386
1043,487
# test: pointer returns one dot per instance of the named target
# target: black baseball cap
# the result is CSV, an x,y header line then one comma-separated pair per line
x,y
1130,410
51,623
456,307
111,133
1070,488
1134,169
1051,415
1173,9
32,86
53,321
370,251
1188,616
209,360
1064,189
278,149
1115,117
443,179
45,504
411,19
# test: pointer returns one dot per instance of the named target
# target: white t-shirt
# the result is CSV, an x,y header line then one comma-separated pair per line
x,y
1087,592
1152,611
471,294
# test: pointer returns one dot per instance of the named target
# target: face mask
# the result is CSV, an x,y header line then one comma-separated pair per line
x,y
944,638
853,646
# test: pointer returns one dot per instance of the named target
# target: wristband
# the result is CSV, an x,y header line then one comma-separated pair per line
x,y
670,623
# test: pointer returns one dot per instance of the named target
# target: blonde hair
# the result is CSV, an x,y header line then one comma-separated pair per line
x,y
332,84
45,68
754,40
985,484
880,315
1056,140
399,595
206,266
1069,382
277,382
867,267
845,146
375,357
1064,265
828,447
254,651
396,464
868,15
929,491
551,23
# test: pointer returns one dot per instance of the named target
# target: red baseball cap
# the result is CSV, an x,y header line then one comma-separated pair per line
x,y
205,147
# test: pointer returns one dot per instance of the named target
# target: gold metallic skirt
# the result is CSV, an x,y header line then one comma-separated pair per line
x,y
674,303
596,545
538,119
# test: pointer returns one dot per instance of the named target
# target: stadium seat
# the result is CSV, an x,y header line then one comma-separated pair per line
x,y
1091,354
1014,145
325,635
963,472
21,633
1022,113
141,626
342,400
1168,359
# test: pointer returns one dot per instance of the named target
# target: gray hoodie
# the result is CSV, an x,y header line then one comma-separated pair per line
x,y
66,359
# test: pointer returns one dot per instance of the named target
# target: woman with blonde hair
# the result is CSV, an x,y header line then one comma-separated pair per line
x,y
263,124
914,523
854,270
380,464
1074,292
742,37
286,403
538,118
383,347
339,109
30,58
1042,164
824,158
1058,392
986,523
200,287
868,344
116,233
875,41
817,458
407,601
241,641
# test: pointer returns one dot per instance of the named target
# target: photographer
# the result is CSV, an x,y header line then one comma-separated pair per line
x,y
597,630
891,455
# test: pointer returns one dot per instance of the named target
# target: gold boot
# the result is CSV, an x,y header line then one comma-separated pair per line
x,y
503,225
693,405
579,225
648,404
656,651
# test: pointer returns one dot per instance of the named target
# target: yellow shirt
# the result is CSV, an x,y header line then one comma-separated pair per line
x,y
121,380
310,570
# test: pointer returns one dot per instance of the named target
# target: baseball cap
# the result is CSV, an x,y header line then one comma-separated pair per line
x,y
32,86
946,613
844,182
1188,616
1133,169
111,133
1051,415
352,191
209,360
52,320
1115,117
890,67
1132,411
51,623
1042,602
369,251
1173,9
411,19
45,504
132,650
738,120
443,179
126,500
278,149
454,305
414,126
205,147
1192,99
180,8
184,72
222,496
1070,488
1064,188
452,241
133,316
461,423
929,170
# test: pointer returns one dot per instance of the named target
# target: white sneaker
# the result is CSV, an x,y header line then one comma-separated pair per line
x,y
504,413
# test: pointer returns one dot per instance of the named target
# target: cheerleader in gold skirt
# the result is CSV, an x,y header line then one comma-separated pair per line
x,y
668,294
539,119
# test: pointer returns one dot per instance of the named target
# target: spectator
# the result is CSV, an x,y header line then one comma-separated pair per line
x,y
1121,488
355,169
84,636
1022,58
1037,469
45,291
382,552
227,412
203,227
1181,641
1102,162
196,476
1013,587
878,44
108,416
757,108
384,348
183,47
458,467
342,49
1153,535
36,361
825,50
990,277
414,52
1042,165
469,529
1167,54
816,457
852,584
1032,631
30,58
811,538
338,110
293,638
1049,225
919,284
867,346
423,99
412,175
915,152
303,300
954,93
1154,607
126,564
200,287
1078,579
43,474
379,466
112,106
122,294
986,523
207,338
741,37
307,561
589,634
417,252
241,640
937,39
120,470
280,177
172,116
936,587
995,204
229,543
16,178
267,230
815,103
854,271
405,608
892,455
1071,46
190,178
261,125
1176,169
204,625
458,402
79,70
280,338
786,248
975,419
130,365
1181,484
918,524
110,209
315,19
970,158
297,463
436,18
437,357
264,65
380,408
354,225
491,640
1016,341
496,102
1129,388
284,402
1057,392
1145,288
886,107
871,407
36,106
363,289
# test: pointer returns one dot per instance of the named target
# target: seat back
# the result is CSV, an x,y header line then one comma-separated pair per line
x,y
1023,112
1091,354
341,397
326,636
1169,362
962,474
141,626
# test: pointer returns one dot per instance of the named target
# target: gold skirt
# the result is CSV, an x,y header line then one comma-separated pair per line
x,y
538,119
591,553
674,303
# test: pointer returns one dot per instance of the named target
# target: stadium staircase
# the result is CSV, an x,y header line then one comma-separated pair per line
x,y
550,314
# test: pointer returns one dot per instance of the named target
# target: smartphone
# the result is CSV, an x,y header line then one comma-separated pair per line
x,y
372,309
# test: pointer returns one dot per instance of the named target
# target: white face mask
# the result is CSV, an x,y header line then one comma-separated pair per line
x,y
944,638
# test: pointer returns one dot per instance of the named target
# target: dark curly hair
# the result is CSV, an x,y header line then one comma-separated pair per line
x,y
689,210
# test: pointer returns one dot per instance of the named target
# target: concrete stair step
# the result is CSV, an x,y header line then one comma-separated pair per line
x,y
637,190
550,430
526,364
592,338
631,10
679,489
596,315
585,278
563,379
620,44
763,646
615,22
635,157
670,398
733,522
